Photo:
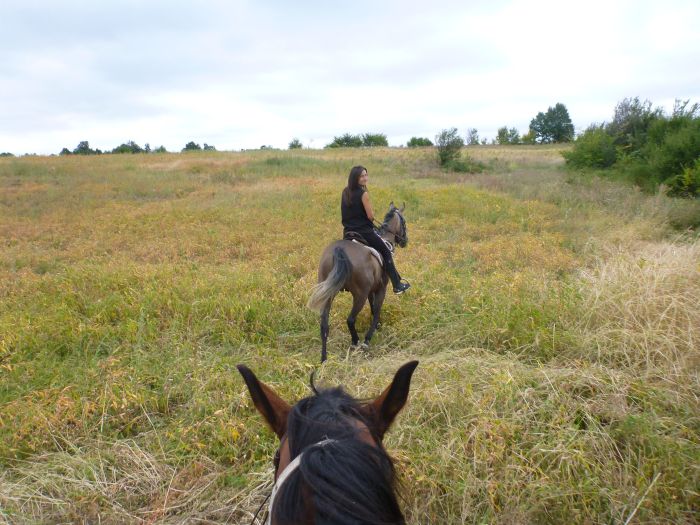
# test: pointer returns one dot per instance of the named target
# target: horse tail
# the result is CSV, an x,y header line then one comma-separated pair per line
x,y
326,290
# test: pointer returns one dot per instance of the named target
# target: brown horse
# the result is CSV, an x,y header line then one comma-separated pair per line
x,y
347,265
331,465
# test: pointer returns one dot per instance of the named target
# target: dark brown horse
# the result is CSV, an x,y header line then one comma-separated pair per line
x,y
347,265
331,465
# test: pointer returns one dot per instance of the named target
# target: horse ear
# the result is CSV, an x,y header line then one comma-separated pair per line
x,y
382,411
271,406
391,205
403,207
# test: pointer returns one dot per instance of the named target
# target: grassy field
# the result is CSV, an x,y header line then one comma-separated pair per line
x,y
555,316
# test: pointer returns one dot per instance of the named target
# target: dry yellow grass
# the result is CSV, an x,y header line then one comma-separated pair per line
x,y
555,318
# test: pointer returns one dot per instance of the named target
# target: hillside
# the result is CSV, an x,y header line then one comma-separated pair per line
x,y
555,317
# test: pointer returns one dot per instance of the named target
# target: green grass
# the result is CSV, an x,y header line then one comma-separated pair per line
x,y
555,317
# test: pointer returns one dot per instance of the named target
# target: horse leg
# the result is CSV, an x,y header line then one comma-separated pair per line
x,y
324,330
376,302
358,301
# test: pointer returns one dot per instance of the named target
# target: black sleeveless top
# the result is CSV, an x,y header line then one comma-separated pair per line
x,y
354,214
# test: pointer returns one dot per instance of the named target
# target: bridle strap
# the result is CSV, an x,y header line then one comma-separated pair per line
x,y
397,236
291,467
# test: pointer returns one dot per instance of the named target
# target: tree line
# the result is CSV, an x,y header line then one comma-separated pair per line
x,y
551,126
83,148
554,125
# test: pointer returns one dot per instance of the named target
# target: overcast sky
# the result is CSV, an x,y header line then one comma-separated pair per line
x,y
239,74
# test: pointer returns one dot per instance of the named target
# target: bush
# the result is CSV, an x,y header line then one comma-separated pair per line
x,y
418,142
673,144
449,145
465,164
6,154
160,149
645,146
346,141
594,148
687,184
129,147
367,140
373,140
631,122
528,138
295,143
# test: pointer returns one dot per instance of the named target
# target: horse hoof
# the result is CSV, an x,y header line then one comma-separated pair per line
x,y
364,347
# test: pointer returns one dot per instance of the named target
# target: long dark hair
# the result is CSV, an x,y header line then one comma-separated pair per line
x,y
347,481
353,183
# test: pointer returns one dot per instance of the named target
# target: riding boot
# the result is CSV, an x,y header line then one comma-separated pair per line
x,y
392,272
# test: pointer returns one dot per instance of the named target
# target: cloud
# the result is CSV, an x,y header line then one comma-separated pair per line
x,y
242,74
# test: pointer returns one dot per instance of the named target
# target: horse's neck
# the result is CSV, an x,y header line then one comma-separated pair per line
x,y
387,236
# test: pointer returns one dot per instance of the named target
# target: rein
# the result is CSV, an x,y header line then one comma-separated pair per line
x,y
397,236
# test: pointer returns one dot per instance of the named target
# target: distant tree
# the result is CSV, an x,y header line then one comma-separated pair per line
x,y
295,143
147,148
502,136
346,141
207,147
192,146
418,142
83,148
508,136
66,151
484,141
528,138
472,137
562,128
373,140
513,136
539,128
449,145
6,154
160,149
553,126
128,147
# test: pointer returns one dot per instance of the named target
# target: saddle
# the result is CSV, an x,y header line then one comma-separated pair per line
x,y
354,236
359,239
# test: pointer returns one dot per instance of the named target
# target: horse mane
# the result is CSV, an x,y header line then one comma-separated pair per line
x,y
348,481
389,215
385,225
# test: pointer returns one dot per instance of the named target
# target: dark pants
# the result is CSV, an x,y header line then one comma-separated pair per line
x,y
375,241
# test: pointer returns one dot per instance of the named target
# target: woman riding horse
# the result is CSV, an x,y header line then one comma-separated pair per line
x,y
351,266
358,216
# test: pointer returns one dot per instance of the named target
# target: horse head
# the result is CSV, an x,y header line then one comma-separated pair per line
x,y
395,224
331,465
